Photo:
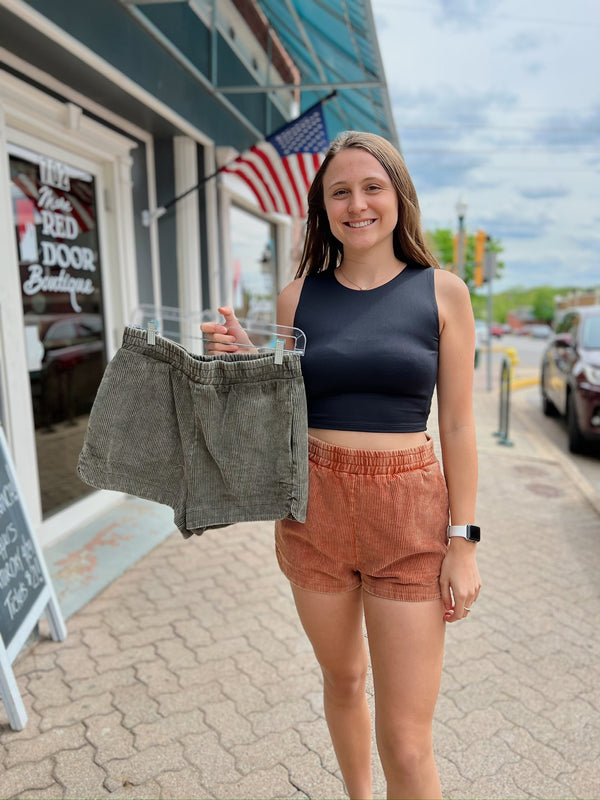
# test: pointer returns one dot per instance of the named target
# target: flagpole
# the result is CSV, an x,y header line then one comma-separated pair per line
x,y
149,216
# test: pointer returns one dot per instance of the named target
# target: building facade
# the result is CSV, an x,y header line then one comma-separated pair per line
x,y
110,109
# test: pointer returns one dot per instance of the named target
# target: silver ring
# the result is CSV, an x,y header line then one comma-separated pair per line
x,y
466,609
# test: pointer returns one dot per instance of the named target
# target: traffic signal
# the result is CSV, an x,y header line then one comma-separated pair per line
x,y
480,243
456,253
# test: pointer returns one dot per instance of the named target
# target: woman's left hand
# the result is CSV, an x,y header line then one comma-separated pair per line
x,y
459,580
226,337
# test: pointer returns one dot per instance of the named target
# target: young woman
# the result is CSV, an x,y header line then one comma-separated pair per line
x,y
383,328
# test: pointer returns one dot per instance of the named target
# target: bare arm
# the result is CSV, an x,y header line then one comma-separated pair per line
x,y
287,302
457,437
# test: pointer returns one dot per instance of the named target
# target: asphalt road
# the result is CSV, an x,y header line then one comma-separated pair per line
x,y
529,352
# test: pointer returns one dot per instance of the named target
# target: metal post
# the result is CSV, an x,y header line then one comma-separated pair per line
x,y
214,38
504,417
461,210
489,269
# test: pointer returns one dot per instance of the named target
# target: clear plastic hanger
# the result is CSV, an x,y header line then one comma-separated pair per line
x,y
184,327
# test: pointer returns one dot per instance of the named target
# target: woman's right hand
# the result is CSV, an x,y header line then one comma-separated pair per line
x,y
226,337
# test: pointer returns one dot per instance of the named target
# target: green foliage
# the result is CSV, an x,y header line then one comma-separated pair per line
x,y
441,241
440,244
539,300
543,304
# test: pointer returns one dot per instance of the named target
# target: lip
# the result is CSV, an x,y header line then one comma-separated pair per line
x,y
357,224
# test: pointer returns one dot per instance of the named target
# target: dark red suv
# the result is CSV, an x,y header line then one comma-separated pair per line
x,y
570,380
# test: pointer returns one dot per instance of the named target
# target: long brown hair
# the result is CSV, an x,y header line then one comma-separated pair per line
x,y
322,251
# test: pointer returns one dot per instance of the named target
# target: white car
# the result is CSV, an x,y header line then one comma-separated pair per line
x,y
482,338
482,332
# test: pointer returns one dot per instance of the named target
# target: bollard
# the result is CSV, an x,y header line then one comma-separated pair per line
x,y
505,382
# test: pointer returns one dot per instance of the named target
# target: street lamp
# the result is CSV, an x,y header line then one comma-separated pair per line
x,y
461,211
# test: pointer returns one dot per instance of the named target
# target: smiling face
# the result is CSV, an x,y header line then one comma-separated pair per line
x,y
360,201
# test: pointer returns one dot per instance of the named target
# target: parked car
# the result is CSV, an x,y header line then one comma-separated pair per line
x,y
497,330
540,331
482,331
570,376
482,338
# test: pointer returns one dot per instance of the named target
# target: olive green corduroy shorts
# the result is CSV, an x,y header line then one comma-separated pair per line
x,y
220,439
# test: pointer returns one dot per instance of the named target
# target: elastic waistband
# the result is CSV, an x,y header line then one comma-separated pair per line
x,y
370,462
222,369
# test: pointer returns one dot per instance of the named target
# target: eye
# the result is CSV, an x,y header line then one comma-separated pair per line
x,y
339,193
373,187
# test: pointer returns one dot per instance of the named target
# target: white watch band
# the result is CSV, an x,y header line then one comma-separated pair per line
x,y
469,532
457,530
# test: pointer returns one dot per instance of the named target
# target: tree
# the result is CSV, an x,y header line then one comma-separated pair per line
x,y
441,243
543,304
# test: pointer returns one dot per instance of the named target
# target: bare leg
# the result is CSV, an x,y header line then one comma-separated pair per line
x,y
406,641
333,623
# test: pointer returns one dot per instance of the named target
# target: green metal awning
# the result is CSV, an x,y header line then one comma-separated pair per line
x,y
333,43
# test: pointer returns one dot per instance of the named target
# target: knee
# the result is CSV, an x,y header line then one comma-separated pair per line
x,y
345,683
404,754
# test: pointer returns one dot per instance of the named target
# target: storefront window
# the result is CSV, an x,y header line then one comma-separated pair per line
x,y
254,266
54,208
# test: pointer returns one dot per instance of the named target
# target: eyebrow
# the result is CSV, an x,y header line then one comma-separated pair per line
x,y
364,180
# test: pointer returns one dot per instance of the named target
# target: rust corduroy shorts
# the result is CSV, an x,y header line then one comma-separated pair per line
x,y
374,517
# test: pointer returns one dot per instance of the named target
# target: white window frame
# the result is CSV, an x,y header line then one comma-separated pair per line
x,y
32,119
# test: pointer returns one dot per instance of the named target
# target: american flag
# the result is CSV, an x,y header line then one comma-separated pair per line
x,y
280,169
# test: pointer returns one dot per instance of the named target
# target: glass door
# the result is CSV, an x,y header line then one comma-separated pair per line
x,y
55,212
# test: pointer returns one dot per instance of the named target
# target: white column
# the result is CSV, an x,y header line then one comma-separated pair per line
x,y
187,225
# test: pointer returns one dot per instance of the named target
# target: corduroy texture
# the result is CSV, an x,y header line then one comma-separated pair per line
x,y
374,517
220,439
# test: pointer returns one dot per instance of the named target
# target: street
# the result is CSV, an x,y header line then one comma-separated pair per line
x,y
529,352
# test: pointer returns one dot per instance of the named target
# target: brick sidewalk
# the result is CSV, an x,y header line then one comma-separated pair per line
x,y
189,677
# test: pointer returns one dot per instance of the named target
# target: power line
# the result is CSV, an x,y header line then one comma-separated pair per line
x,y
505,167
488,126
471,151
492,15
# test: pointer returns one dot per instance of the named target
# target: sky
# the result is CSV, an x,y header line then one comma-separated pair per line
x,y
497,103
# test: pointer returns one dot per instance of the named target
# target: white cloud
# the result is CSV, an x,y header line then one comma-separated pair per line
x,y
542,192
499,102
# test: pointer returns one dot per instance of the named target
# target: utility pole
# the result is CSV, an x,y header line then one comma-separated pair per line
x,y
489,272
461,210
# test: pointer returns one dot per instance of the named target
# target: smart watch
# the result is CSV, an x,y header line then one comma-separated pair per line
x,y
472,533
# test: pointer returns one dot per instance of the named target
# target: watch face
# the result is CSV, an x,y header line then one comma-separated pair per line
x,y
473,533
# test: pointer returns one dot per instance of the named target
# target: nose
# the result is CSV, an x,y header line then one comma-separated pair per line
x,y
357,201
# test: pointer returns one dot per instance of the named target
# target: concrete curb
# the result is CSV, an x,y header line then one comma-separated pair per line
x,y
522,383
554,453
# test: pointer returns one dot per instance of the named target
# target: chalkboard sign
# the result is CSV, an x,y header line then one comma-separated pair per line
x,y
21,576
25,588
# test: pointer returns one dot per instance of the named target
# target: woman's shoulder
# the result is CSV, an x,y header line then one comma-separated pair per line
x,y
452,297
293,289
449,286
288,302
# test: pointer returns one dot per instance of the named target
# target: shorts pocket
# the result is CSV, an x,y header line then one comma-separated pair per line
x,y
133,422
246,428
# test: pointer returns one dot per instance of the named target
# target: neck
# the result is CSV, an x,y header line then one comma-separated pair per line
x,y
363,270
362,278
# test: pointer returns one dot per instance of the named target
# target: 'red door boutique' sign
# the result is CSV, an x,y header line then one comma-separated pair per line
x,y
57,237
54,206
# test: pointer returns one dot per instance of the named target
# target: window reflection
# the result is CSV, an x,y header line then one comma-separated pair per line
x,y
54,209
254,266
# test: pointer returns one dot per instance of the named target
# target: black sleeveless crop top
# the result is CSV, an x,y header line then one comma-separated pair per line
x,y
371,357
